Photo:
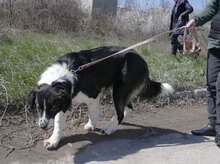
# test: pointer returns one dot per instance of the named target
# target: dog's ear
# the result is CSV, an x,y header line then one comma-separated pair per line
x,y
31,98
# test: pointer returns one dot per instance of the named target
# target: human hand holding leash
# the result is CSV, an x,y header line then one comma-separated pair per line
x,y
191,24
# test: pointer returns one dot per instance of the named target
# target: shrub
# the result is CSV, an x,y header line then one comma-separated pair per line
x,y
42,16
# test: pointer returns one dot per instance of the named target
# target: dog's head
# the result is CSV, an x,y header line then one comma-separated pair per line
x,y
49,100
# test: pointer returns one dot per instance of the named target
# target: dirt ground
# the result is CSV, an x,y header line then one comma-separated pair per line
x,y
21,140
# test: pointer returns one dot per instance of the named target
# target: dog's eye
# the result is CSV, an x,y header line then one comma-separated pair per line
x,y
53,112
53,109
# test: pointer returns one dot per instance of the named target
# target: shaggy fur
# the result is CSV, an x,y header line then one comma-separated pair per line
x,y
127,74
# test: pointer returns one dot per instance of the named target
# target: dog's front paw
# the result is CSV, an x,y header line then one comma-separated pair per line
x,y
89,126
50,144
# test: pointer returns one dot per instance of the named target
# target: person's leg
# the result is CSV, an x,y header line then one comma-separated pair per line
x,y
174,43
218,104
217,126
213,68
180,48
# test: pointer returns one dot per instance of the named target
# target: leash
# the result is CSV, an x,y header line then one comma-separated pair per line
x,y
82,67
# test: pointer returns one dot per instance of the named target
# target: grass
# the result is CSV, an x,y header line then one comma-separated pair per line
x,y
180,71
25,55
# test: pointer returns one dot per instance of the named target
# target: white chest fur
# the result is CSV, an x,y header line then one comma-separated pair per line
x,y
54,73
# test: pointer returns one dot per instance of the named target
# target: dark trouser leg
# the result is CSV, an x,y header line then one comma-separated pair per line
x,y
213,94
217,126
218,94
213,85
174,43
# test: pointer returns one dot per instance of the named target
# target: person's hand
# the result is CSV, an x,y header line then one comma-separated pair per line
x,y
180,18
191,24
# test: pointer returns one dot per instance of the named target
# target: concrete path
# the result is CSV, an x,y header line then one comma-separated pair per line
x,y
175,148
158,136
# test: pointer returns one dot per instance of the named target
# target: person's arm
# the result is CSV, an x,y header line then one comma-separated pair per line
x,y
189,9
207,14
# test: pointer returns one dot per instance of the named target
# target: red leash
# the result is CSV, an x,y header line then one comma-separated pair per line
x,y
82,67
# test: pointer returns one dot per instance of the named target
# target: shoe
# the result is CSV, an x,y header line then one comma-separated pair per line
x,y
208,130
217,139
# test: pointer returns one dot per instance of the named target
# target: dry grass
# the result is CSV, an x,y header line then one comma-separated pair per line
x,y
42,16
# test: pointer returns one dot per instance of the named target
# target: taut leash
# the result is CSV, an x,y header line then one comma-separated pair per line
x,y
82,67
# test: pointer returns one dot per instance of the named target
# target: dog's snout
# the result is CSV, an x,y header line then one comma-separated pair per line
x,y
43,123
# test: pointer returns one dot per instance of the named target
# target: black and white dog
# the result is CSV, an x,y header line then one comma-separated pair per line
x,y
127,74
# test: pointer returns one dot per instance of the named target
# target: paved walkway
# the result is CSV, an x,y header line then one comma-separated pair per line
x,y
173,148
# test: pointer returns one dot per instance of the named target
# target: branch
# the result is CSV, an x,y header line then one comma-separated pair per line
x,y
6,95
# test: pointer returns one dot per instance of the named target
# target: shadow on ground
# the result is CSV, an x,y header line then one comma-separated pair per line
x,y
126,142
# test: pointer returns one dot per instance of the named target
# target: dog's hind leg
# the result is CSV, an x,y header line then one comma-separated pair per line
x,y
93,108
120,97
127,111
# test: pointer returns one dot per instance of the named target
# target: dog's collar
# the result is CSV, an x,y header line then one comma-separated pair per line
x,y
70,71
66,68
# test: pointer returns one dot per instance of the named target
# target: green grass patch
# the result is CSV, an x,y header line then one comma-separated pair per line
x,y
184,73
25,55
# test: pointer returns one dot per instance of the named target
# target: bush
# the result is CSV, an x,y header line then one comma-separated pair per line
x,y
42,16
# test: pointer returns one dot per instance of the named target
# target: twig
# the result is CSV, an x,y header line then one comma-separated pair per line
x,y
8,147
26,115
9,152
6,95
13,148
25,108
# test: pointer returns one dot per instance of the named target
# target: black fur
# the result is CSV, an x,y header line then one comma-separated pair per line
x,y
110,73
126,73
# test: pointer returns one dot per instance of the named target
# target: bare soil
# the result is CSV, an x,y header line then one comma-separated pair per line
x,y
21,139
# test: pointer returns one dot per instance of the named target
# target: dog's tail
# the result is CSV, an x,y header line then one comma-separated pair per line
x,y
152,89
